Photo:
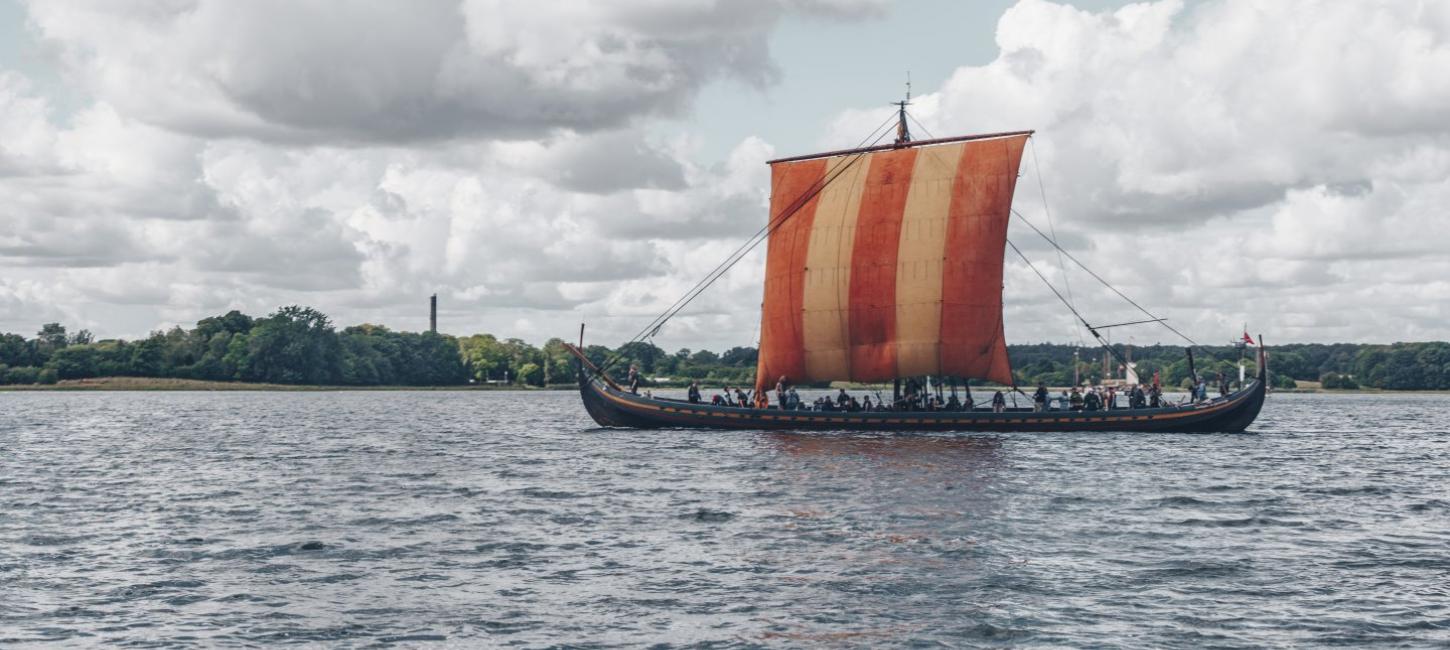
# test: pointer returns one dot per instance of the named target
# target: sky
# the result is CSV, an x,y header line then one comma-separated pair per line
x,y
1284,165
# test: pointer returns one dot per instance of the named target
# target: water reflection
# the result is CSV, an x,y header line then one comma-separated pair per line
x,y
891,477
948,453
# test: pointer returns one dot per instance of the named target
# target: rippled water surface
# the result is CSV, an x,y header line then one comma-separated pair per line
x,y
507,519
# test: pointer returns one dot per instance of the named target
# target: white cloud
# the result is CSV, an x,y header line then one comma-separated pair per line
x,y
381,71
1226,160
1284,164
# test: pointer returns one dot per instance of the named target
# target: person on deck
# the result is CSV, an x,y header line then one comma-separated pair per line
x,y
953,403
999,402
694,393
913,395
741,399
762,399
1155,397
1039,398
633,379
1111,400
1222,385
717,400
780,388
1075,400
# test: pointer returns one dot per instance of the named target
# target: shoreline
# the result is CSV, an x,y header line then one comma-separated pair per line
x,y
153,384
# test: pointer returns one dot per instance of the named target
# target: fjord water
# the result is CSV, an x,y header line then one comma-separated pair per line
x,y
507,519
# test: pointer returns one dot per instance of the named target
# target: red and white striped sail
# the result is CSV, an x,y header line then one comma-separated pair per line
x,y
893,268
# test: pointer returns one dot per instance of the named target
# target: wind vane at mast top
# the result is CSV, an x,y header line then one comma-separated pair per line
x,y
903,134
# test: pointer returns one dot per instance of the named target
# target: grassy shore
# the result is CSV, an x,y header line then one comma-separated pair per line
x,y
159,384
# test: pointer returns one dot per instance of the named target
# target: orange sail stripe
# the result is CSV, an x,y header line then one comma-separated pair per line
x,y
894,268
973,344
873,266
782,344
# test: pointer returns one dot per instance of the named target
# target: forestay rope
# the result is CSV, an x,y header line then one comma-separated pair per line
x,y
1060,250
760,235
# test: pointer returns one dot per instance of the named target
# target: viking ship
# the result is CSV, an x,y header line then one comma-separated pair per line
x,y
885,262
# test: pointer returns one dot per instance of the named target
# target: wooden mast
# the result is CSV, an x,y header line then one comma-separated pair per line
x,y
903,133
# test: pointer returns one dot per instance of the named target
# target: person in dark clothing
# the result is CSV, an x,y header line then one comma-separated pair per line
x,y
741,399
1039,398
1075,399
1222,385
694,392
1091,401
633,380
999,402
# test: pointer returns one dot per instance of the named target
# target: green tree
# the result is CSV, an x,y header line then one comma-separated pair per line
x,y
74,362
51,337
560,362
22,375
232,322
531,374
148,356
294,345
484,357
15,350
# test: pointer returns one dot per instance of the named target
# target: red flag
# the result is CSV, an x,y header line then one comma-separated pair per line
x,y
1249,340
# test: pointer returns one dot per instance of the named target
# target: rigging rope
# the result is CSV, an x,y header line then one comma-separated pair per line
x,y
1057,293
760,235
1042,189
1100,279
921,126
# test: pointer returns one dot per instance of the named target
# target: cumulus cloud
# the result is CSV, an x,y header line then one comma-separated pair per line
x,y
379,71
1223,161
1227,160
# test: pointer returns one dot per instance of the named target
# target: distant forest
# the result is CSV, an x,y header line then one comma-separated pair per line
x,y
299,345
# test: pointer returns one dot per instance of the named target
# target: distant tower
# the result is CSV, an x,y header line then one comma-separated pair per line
x,y
433,313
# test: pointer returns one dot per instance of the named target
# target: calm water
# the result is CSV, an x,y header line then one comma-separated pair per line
x,y
506,519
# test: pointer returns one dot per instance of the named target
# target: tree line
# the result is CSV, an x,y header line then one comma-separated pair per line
x,y
299,345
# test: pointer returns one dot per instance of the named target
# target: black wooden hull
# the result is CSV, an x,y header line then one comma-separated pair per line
x,y
615,408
